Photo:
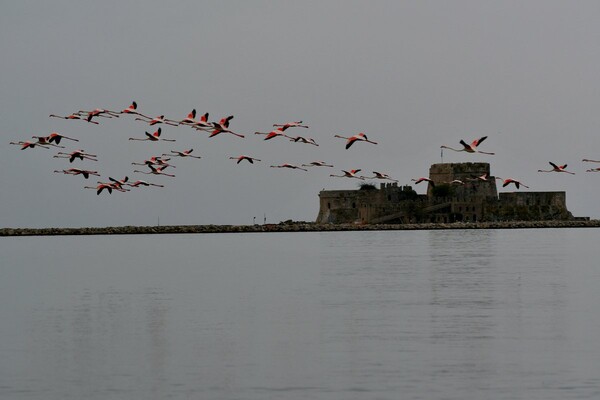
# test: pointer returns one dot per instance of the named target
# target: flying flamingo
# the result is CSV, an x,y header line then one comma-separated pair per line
x,y
317,164
557,168
358,137
189,120
29,144
202,124
98,112
349,174
223,126
586,160
154,137
73,116
485,177
274,133
143,183
155,160
469,148
100,187
300,139
185,153
56,138
160,119
456,182
118,183
293,124
288,166
76,154
379,175
76,171
422,179
244,157
155,171
593,170
508,181
44,141
132,109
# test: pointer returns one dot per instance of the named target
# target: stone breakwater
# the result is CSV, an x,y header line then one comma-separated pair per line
x,y
289,227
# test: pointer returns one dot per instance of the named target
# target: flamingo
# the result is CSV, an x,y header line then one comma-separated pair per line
x,y
73,116
98,112
358,137
593,170
317,164
101,186
155,171
349,174
485,177
274,133
118,183
300,139
189,120
223,126
469,148
202,124
456,182
288,166
160,119
379,175
185,153
155,160
76,171
29,144
76,154
244,157
586,160
508,181
422,179
132,109
154,137
44,141
557,168
296,124
55,137
143,183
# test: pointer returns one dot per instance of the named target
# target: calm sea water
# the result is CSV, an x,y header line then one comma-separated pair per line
x,y
473,314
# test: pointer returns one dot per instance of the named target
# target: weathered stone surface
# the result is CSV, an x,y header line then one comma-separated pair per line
x,y
291,227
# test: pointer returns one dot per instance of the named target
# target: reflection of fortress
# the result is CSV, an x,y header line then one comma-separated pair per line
x,y
477,200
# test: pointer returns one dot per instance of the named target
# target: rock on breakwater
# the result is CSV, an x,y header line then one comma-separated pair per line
x,y
289,227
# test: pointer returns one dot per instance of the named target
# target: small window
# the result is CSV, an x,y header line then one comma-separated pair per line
x,y
329,206
353,205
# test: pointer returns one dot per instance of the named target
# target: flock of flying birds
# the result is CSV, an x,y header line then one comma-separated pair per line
x,y
158,164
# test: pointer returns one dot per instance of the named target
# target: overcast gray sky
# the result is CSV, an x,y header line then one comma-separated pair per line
x,y
412,75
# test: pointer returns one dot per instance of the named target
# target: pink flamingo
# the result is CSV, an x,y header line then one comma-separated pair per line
x,y
44,141
189,120
132,109
244,157
379,175
300,139
422,179
29,144
557,168
508,181
587,160
274,133
223,126
73,116
352,139
484,178
293,124
317,164
288,166
456,182
118,183
202,124
55,138
143,183
154,137
76,154
350,174
185,153
593,170
76,171
101,186
469,148
98,112
155,160
155,171
160,119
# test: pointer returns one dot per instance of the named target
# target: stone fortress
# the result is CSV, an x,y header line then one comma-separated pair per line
x,y
475,201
